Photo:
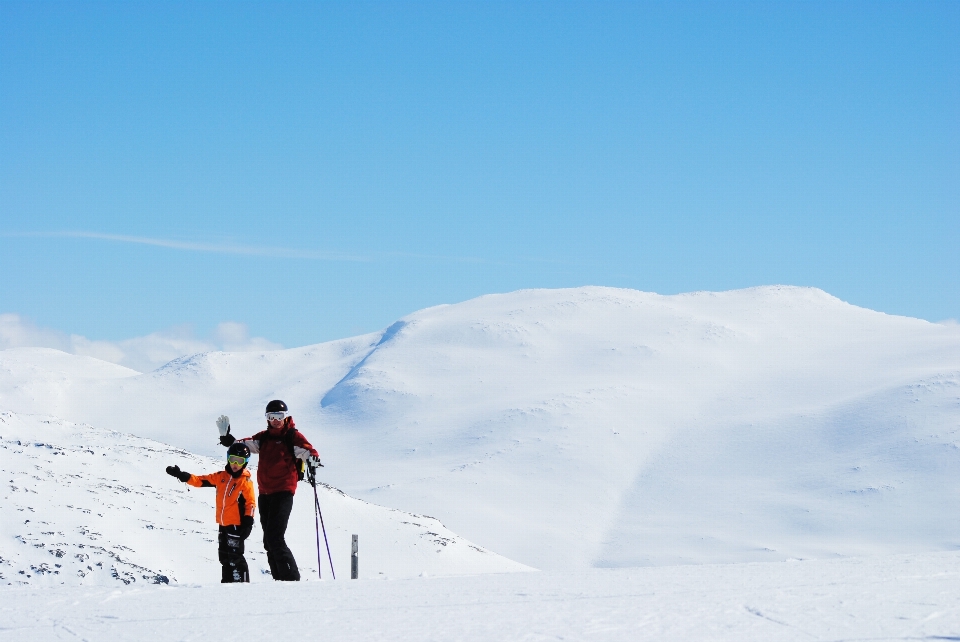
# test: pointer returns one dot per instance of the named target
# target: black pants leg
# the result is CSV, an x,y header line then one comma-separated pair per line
x,y
274,515
231,556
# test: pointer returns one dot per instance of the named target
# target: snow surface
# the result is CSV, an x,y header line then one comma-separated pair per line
x,y
809,446
910,597
594,426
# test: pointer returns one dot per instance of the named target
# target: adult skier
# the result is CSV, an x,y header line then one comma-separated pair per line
x,y
281,448
235,504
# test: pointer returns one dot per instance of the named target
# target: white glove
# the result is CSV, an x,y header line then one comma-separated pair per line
x,y
314,461
223,425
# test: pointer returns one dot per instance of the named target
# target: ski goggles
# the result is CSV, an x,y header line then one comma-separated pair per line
x,y
278,416
236,459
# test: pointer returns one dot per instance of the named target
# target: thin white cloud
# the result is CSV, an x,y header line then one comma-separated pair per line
x,y
191,246
246,250
143,354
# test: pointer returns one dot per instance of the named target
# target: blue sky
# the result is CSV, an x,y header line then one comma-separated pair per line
x,y
316,170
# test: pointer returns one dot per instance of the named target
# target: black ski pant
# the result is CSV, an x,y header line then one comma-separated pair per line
x,y
231,555
274,513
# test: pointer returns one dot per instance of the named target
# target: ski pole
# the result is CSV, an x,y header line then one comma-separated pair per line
x,y
325,541
313,482
316,500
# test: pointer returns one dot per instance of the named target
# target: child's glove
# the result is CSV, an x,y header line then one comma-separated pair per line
x,y
227,440
246,526
174,471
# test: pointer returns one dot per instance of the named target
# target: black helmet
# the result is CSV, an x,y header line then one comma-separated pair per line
x,y
238,449
276,406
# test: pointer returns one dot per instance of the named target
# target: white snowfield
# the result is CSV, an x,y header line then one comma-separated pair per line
x,y
770,463
592,426
896,598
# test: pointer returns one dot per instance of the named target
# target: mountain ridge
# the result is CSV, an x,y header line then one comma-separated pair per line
x,y
524,420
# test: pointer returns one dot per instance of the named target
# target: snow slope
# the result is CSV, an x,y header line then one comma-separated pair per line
x,y
897,598
88,506
598,426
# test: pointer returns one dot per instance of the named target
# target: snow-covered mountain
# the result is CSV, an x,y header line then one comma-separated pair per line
x,y
88,506
593,426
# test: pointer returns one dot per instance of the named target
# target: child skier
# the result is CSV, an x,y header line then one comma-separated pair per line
x,y
235,505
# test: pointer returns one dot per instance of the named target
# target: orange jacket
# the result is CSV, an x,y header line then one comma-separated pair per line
x,y
234,494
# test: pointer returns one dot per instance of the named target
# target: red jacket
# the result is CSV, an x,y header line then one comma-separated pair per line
x,y
277,471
